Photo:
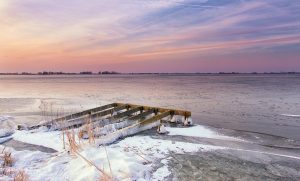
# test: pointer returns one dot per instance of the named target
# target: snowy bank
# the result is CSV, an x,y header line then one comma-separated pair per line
x,y
133,158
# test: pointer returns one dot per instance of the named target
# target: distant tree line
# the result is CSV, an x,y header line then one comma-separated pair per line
x,y
108,72
113,72
54,73
60,73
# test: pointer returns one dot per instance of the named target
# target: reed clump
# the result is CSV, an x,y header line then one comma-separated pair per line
x,y
21,176
73,146
6,167
7,159
90,132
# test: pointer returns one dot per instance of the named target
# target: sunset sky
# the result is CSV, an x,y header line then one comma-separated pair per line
x,y
150,35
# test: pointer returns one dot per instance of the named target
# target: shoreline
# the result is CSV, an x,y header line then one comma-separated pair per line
x,y
216,156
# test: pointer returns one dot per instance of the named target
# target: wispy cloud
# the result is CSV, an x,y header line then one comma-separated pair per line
x,y
99,32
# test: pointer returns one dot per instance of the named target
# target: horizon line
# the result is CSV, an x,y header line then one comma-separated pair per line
x,y
132,73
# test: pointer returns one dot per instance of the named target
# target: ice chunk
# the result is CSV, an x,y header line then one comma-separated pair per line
x,y
162,129
5,132
4,118
188,122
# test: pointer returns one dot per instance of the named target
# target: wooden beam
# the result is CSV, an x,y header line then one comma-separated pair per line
x,y
132,129
95,114
173,111
94,117
155,118
142,115
127,113
86,112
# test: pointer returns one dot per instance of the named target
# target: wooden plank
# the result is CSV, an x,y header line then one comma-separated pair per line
x,y
94,117
127,113
86,112
117,118
132,129
173,111
142,115
155,118
109,111
78,119
131,120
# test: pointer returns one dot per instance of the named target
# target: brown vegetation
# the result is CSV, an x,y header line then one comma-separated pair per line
x,y
7,169
73,146
7,159
21,176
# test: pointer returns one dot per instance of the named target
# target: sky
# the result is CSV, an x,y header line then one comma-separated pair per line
x,y
150,35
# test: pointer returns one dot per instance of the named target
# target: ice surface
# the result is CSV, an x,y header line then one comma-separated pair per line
x,y
232,102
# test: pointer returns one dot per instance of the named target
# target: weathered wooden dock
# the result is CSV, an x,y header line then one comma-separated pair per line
x,y
115,120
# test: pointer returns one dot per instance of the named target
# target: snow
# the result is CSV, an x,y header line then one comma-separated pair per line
x,y
133,158
40,166
162,129
4,118
291,115
5,132
162,172
51,139
130,130
198,131
2,140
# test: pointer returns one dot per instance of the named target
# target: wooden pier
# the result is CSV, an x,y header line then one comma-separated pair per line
x,y
115,120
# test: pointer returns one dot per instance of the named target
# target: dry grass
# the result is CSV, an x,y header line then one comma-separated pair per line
x,y
72,142
21,176
7,171
108,163
138,152
50,111
7,159
104,177
63,137
81,134
3,149
90,131
46,110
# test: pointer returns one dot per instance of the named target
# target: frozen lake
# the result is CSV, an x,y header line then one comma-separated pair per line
x,y
257,103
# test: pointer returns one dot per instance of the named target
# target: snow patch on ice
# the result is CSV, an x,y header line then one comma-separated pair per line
x,y
4,118
198,131
51,139
291,115
160,148
5,132
2,140
162,172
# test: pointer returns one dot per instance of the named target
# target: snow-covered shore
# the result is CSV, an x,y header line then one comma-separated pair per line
x,y
139,157
133,158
